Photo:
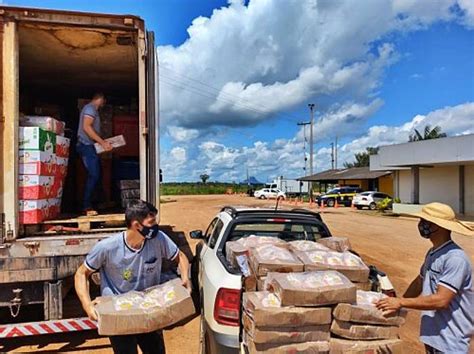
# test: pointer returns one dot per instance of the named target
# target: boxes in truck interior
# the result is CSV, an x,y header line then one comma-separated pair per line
x,y
317,288
305,245
34,138
339,244
61,167
37,211
273,258
62,146
46,123
321,347
345,262
115,141
243,244
361,331
36,162
33,187
144,311
343,346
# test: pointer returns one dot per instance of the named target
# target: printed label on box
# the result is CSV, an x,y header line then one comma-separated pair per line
x,y
34,187
34,138
62,146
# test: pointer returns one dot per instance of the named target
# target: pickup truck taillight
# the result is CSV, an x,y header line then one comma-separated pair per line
x,y
227,307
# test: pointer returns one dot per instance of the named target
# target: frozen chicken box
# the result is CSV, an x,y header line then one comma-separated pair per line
x,y
364,311
317,288
33,211
33,187
285,335
146,311
344,346
62,146
304,245
351,330
272,258
242,246
265,310
345,262
339,244
116,142
61,166
34,138
36,162
320,347
46,123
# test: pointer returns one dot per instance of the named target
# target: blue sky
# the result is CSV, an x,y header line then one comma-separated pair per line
x,y
235,82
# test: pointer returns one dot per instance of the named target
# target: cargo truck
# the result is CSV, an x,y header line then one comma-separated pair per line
x,y
55,57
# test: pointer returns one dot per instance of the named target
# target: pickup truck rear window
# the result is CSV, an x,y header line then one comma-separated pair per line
x,y
287,231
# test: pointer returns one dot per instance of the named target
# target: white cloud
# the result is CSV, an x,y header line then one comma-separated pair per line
x,y
244,64
180,134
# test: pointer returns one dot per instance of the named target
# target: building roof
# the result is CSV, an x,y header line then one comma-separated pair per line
x,y
453,150
347,173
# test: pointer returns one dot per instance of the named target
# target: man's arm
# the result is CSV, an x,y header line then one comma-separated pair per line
x,y
81,284
89,129
414,289
183,265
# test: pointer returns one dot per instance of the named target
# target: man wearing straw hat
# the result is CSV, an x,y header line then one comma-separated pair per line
x,y
443,289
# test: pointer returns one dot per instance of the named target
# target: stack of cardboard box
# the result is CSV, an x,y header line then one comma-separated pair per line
x,y
43,158
129,191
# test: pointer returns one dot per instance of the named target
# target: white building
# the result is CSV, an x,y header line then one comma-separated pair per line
x,y
437,170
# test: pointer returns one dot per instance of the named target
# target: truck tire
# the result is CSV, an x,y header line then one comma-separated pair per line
x,y
330,203
262,197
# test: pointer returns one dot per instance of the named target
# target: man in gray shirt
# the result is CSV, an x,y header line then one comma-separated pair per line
x,y
88,133
131,260
443,289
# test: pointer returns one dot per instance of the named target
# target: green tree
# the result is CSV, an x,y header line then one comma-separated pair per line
x,y
204,177
428,133
362,159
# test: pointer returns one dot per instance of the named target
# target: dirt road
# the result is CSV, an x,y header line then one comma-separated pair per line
x,y
392,244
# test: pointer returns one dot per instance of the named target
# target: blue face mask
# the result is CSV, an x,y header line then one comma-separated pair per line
x,y
425,229
149,232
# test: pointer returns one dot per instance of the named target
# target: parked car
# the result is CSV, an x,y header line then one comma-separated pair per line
x,y
269,193
220,285
369,199
343,196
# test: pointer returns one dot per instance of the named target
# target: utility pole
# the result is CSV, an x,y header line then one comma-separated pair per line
x,y
332,156
336,152
304,124
311,143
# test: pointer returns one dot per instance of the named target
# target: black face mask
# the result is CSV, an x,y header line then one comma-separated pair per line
x,y
425,229
149,232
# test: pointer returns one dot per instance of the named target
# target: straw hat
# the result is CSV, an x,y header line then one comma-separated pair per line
x,y
443,216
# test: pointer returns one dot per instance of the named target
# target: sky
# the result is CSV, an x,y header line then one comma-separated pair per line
x,y
237,76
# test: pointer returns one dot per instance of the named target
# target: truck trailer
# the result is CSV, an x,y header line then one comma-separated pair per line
x,y
56,57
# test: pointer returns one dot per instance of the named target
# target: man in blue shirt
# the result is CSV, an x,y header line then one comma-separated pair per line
x,y
131,260
88,133
443,289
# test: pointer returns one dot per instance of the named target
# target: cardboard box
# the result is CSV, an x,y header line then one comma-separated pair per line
x,y
62,146
54,207
294,348
339,244
130,194
250,280
285,335
344,346
46,123
129,184
272,258
58,188
317,288
34,211
363,331
261,284
265,309
346,263
115,141
61,167
303,246
34,138
242,246
36,162
366,312
144,311
33,187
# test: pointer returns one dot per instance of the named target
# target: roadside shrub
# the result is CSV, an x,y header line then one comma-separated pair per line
x,y
385,204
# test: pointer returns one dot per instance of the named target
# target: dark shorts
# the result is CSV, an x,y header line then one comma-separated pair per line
x,y
149,343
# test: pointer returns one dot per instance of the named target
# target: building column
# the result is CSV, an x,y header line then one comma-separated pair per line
x,y
462,190
415,175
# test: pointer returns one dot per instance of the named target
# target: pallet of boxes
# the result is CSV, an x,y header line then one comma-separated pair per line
x,y
306,297
43,162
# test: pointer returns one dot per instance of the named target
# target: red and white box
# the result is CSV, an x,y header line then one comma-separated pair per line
x,y
61,166
33,187
58,187
62,146
45,123
36,162
34,211
54,207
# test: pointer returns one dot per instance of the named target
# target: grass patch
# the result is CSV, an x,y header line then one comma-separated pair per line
x,y
201,188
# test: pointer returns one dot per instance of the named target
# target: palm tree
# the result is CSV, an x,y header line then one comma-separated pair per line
x,y
429,133
204,177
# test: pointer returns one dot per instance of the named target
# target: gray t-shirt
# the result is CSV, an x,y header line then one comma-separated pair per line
x,y
448,330
88,110
123,269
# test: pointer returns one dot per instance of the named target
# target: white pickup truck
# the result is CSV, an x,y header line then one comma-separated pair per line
x,y
220,285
